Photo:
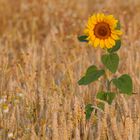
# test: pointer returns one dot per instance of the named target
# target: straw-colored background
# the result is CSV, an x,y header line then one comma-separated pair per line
x,y
41,61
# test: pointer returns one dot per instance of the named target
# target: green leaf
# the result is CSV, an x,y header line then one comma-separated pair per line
x,y
106,96
91,69
110,97
124,84
89,110
102,96
92,75
82,38
116,47
118,25
111,61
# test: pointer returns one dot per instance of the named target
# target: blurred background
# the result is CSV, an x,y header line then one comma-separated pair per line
x,y
41,61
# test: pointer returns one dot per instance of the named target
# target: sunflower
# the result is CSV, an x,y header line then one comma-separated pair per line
x,y
101,30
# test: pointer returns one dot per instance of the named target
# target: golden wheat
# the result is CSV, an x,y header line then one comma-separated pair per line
x,y
41,62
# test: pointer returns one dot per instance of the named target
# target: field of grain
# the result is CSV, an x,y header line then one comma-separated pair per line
x,y
41,61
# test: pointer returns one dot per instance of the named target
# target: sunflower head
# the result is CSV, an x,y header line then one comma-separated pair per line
x,y
102,30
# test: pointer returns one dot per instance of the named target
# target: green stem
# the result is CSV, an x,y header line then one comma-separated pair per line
x,y
108,85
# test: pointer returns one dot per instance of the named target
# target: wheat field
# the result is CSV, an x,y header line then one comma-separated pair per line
x,y
41,61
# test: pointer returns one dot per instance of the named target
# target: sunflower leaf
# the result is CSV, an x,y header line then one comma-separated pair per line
x,y
88,110
106,96
82,38
91,69
116,47
118,25
92,74
102,96
124,84
110,97
111,61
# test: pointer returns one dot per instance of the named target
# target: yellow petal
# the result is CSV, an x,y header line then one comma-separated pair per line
x,y
94,19
96,42
108,45
102,44
115,37
90,42
118,32
89,25
100,17
91,32
88,38
86,31
93,38
111,41
110,17
112,23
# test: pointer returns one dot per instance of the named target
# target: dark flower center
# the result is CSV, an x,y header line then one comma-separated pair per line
x,y
102,30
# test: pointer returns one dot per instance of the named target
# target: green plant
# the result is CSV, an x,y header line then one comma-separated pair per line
x,y
110,60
